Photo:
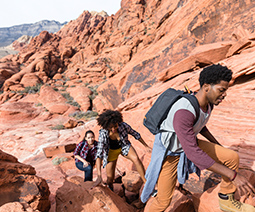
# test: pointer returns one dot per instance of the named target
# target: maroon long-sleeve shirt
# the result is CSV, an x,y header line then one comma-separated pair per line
x,y
183,125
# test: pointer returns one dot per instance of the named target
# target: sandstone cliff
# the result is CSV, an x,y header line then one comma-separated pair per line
x,y
124,62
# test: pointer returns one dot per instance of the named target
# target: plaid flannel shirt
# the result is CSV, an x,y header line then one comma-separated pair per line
x,y
82,150
104,143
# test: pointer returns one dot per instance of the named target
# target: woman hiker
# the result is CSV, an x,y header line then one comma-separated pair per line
x,y
113,141
85,155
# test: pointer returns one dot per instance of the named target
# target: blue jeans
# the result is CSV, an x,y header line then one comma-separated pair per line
x,y
88,171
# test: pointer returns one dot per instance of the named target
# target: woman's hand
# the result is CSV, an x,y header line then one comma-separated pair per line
x,y
85,164
148,149
98,181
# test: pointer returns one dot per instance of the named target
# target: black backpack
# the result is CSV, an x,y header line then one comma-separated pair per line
x,y
159,110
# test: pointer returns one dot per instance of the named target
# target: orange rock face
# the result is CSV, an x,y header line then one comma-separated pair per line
x,y
71,195
124,62
21,184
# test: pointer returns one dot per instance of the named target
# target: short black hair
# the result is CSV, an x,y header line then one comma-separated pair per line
x,y
89,131
213,74
109,117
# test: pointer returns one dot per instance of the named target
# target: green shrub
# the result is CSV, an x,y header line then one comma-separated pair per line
x,y
94,92
70,100
63,89
58,127
31,89
38,104
84,115
56,161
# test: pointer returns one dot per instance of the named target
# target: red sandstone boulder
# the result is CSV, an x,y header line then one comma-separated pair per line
x,y
100,104
132,181
204,54
7,69
58,149
53,100
5,74
30,80
70,124
16,112
208,201
16,207
71,197
21,184
67,53
81,95
180,203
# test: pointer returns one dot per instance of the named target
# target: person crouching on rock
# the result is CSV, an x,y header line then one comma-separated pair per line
x,y
113,141
85,155
185,153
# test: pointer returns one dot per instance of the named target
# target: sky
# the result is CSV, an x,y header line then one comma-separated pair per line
x,y
16,12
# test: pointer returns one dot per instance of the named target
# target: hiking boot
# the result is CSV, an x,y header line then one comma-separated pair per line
x,y
228,203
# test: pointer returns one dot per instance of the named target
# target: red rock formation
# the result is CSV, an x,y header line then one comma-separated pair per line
x,y
132,181
19,183
21,42
127,60
180,203
208,201
71,197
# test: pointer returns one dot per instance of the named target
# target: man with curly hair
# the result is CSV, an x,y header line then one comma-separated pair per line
x,y
177,151
113,141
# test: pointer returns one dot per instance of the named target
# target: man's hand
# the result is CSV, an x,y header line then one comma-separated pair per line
x,y
243,186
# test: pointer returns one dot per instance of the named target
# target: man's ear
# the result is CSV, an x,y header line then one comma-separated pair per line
x,y
206,87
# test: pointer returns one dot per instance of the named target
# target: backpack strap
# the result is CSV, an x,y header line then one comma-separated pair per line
x,y
194,102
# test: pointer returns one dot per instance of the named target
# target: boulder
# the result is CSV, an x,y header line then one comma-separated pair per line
x,y
70,124
179,203
70,197
30,79
21,184
132,181
16,112
53,100
54,150
101,103
13,207
208,201
81,95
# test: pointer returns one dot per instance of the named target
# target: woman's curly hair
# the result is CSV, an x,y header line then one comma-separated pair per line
x,y
214,74
109,117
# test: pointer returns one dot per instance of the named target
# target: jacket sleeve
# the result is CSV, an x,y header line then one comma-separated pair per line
x,y
132,132
78,148
84,150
